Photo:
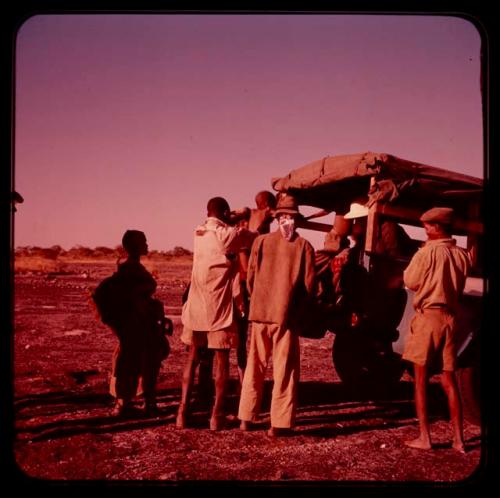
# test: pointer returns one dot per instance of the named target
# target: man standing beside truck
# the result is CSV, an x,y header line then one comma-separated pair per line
x,y
437,274
280,280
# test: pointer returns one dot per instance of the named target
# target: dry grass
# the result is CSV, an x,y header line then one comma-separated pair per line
x,y
37,264
40,264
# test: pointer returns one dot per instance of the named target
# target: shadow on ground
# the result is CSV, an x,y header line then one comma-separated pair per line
x,y
324,410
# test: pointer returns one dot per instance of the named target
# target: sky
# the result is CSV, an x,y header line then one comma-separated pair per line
x,y
135,121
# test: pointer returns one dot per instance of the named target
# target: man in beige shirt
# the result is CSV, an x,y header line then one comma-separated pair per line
x,y
208,315
280,280
437,274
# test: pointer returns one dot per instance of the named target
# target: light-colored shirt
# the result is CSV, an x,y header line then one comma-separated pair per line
x,y
209,306
437,274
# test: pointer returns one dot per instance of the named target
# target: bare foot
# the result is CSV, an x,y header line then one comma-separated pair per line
x,y
419,444
217,422
459,446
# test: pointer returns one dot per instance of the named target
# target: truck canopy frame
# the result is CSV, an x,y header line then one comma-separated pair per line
x,y
404,188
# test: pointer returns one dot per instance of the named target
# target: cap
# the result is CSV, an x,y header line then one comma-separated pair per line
x,y
356,210
441,215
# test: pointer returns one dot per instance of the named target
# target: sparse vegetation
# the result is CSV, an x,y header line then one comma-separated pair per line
x,y
53,259
37,264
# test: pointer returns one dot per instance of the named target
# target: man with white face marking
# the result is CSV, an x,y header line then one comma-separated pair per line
x,y
280,280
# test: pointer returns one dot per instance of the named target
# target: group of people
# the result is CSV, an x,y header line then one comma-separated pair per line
x,y
243,273
245,277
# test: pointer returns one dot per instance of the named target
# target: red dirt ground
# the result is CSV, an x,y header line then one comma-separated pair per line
x,y
64,430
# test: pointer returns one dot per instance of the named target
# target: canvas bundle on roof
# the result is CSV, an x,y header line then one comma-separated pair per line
x,y
332,182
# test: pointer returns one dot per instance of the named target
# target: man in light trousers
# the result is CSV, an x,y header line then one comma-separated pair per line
x,y
280,281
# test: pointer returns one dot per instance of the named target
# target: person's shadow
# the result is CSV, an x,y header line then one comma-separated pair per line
x,y
324,410
332,409
72,413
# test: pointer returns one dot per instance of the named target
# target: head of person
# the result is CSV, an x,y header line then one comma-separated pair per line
x,y
16,198
218,207
134,242
358,213
286,214
437,222
265,199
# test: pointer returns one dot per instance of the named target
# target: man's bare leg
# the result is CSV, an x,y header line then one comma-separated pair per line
x,y
205,380
423,442
187,384
241,351
221,377
449,383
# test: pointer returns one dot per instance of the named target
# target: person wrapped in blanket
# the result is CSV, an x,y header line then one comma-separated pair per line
x,y
139,323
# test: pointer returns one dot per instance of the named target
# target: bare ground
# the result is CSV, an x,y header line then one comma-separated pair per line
x,y
64,430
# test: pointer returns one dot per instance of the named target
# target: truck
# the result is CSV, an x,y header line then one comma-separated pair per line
x,y
371,325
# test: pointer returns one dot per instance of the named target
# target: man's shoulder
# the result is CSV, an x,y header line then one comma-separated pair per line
x,y
132,267
304,242
134,273
218,227
442,248
442,245
265,237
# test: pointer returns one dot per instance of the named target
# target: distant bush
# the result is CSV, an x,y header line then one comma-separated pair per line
x,y
78,252
57,250
50,253
179,251
40,252
105,252
99,252
21,251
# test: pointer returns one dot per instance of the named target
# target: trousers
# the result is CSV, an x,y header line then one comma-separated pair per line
x,y
266,340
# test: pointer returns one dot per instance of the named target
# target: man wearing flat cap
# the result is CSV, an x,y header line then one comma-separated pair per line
x,y
437,274
280,280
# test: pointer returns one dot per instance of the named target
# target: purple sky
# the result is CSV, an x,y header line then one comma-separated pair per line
x,y
135,121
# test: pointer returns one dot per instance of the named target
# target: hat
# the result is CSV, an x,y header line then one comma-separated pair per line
x,y
356,210
286,205
441,215
16,197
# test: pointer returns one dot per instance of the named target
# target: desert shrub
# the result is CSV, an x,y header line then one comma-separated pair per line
x,y
50,253
78,252
179,251
57,249
100,252
21,251
105,252
34,251
37,252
